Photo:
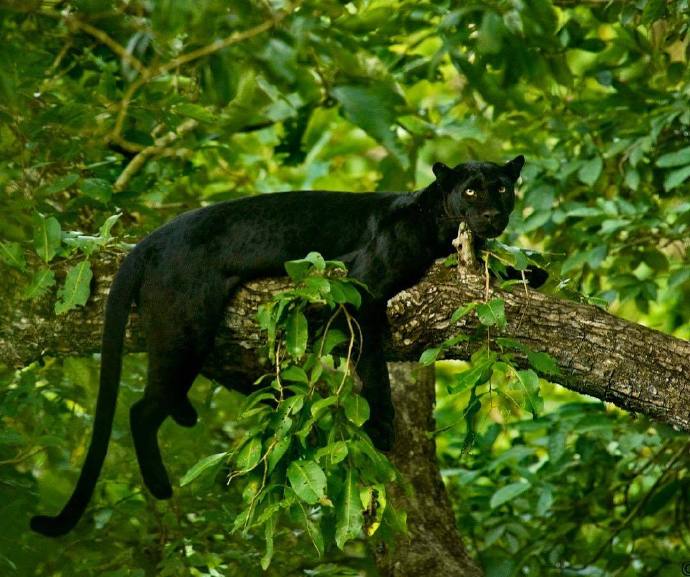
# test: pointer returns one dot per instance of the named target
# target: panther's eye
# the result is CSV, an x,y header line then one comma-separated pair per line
x,y
470,192
501,189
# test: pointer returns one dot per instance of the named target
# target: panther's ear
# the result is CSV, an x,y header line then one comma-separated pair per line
x,y
513,167
441,171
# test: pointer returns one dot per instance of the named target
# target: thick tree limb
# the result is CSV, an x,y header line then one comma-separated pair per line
x,y
433,546
636,368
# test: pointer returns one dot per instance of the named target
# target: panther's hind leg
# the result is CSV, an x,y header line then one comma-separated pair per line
x,y
177,346
145,417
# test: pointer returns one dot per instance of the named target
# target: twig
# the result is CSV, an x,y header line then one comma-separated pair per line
x,y
22,457
104,38
159,147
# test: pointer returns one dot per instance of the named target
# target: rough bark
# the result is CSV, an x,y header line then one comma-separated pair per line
x,y
433,545
635,367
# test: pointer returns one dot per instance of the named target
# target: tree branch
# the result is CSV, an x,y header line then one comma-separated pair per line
x,y
159,147
637,368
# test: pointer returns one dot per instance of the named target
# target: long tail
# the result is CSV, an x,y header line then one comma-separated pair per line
x,y
117,310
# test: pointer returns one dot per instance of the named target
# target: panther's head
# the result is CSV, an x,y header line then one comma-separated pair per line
x,y
482,194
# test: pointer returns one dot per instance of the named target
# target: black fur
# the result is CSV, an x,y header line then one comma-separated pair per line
x,y
182,275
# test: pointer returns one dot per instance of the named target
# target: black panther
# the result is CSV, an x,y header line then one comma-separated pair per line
x,y
182,275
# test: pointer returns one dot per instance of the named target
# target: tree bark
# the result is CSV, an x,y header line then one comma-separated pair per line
x,y
637,368
433,545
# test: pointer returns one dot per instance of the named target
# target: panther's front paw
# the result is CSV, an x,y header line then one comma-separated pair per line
x,y
382,434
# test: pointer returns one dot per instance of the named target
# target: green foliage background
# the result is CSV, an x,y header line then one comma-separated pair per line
x,y
109,107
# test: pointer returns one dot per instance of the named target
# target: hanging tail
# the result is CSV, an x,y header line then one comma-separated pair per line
x,y
117,310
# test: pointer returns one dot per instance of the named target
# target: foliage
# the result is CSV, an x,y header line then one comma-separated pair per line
x,y
604,496
147,108
304,454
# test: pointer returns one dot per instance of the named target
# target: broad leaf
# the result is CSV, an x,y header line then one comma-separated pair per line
x,y
42,280
11,253
308,481
250,454
348,512
356,409
529,384
492,313
47,236
76,289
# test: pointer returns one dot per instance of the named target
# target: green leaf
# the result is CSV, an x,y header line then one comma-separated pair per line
x,y
507,493
12,254
97,188
296,333
429,356
543,362
545,501
676,177
333,338
462,311
294,374
47,236
315,535
297,269
492,313
679,276
76,289
308,481
269,528
250,454
333,453
61,183
529,383
476,375
196,112
356,409
345,293
590,170
373,108
348,512
203,465
106,227
678,158
317,261
321,405
279,450
41,281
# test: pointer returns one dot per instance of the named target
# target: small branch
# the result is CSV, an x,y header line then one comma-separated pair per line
x,y
160,147
464,245
103,37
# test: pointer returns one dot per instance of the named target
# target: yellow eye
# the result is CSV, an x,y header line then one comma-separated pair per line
x,y
501,189
470,192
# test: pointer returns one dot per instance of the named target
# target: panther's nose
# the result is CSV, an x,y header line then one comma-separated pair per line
x,y
490,214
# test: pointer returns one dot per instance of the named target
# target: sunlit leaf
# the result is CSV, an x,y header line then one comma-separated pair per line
x,y
77,288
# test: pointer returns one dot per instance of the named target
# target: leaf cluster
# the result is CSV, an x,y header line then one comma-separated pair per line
x,y
303,454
